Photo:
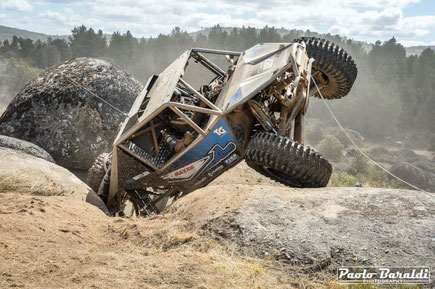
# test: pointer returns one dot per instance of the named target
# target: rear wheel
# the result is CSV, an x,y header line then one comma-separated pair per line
x,y
286,161
95,176
333,69
96,172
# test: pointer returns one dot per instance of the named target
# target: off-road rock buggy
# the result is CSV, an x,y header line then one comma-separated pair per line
x,y
185,130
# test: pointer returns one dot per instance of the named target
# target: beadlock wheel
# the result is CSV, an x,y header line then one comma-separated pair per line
x,y
333,68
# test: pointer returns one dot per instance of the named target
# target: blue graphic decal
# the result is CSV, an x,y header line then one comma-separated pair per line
x,y
216,146
218,154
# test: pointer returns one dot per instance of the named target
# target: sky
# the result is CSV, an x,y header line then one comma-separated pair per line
x,y
412,22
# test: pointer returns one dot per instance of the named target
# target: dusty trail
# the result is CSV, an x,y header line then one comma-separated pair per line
x,y
215,237
59,242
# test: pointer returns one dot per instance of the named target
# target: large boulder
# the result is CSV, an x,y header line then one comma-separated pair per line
x,y
60,111
317,228
25,147
415,174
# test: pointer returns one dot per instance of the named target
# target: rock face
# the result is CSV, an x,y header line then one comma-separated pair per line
x,y
27,174
25,147
58,112
316,227
416,175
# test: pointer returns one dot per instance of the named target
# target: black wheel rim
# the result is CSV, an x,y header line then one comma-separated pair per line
x,y
284,177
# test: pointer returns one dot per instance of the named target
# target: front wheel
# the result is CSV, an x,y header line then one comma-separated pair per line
x,y
286,161
333,68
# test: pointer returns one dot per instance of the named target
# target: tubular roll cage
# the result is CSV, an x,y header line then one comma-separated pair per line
x,y
292,113
138,129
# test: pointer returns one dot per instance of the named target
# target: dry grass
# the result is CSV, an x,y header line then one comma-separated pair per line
x,y
181,256
41,186
9,184
335,285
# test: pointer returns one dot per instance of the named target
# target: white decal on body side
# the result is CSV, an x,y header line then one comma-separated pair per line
x,y
144,174
220,131
188,171
268,64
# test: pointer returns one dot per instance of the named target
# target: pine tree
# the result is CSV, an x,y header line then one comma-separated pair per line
x,y
87,43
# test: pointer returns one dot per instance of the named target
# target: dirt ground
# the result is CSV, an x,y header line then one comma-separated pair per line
x,y
58,242
61,242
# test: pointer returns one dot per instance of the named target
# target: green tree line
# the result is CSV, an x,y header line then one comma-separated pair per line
x,y
393,91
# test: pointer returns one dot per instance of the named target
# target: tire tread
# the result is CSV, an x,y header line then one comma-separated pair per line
x,y
306,166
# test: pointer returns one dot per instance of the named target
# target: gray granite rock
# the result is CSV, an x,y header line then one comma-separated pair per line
x,y
418,174
59,112
24,146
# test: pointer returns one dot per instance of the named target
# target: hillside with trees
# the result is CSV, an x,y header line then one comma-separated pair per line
x,y
6,33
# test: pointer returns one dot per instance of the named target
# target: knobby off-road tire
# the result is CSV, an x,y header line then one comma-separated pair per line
x,y
333,67
96,172
287,162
